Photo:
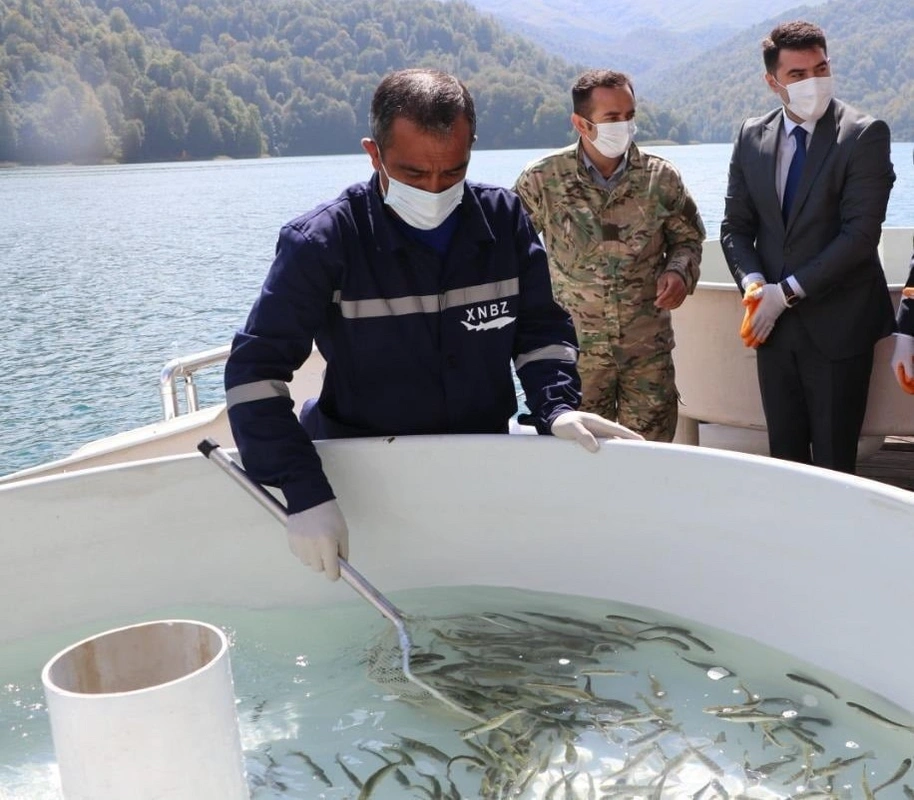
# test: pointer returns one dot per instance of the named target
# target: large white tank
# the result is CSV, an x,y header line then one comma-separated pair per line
x,y
812,562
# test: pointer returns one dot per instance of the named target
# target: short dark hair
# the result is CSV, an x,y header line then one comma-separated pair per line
x,y
796,35
429,98
594,79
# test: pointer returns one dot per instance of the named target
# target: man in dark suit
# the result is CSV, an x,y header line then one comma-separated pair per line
x,y
807,193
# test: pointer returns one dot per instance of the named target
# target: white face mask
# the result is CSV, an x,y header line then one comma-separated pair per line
x,y
418,208
613,138
809,98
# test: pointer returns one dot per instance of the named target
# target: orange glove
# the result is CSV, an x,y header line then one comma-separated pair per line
x,y
903,361
904,381
750,301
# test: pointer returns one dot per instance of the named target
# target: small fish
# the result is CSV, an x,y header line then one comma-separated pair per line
x,y
676,630
583,624
375,778
423,659
661,712
568,783
405,758
553,788
794,731
425,749
597,672
812,682
885,720
737,708
837,764
315,769
714,671
623,618
656,688
532,773
258,710
572,692
899,774
707,762
491,724
668,639
630,765
644,738
718,787
356,781
475,761
433,793
735,715
767,770
865,785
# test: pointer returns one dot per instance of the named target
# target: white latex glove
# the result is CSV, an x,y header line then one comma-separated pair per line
x,y
585,428
772,304
319,536
903,362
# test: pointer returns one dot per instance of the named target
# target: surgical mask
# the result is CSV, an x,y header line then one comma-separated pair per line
x,y
418,208
613,138
808,99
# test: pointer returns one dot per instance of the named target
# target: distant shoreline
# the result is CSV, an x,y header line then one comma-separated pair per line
x,y
108,162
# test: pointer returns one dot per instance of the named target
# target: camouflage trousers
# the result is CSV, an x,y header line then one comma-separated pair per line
x,y
636,391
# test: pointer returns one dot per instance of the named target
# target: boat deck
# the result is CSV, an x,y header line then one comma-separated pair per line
x,y
893,463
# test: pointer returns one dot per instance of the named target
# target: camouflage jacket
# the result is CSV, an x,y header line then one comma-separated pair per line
x,y
614,244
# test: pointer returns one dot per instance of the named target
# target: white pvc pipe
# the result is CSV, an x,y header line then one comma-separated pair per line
x,y
146,711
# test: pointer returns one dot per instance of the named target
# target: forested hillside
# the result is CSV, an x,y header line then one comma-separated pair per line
x,y
164,79
871,45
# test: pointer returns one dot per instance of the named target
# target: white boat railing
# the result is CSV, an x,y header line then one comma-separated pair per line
x,y
184,368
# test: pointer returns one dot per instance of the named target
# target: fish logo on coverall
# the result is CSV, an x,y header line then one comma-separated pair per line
x,y
489,317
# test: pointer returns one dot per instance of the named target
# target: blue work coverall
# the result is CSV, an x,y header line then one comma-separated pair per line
x,y
415,342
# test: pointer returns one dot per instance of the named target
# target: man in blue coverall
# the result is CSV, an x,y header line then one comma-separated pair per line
x,y
419,290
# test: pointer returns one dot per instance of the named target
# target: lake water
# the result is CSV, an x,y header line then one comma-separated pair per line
x,y
109,272
603,694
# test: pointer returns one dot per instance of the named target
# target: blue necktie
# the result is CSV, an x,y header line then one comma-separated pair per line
x,y
794,172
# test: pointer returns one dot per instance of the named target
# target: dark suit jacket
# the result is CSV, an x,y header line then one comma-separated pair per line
x,y
906,306
829,242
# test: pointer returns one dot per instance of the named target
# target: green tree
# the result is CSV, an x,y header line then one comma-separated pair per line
x,y
204,137
165,127
9,137
132,140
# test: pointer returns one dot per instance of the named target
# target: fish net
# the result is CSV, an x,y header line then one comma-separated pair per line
x,y
480,664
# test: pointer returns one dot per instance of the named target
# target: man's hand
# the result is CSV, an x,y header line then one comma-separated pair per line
x,y
903,361
319,536
764,305
750,301
585,428
671,290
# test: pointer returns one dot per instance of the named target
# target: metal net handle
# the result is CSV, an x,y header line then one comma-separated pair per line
x,y
353,577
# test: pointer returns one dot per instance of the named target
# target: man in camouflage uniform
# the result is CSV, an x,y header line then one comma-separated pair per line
x,y
624,239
